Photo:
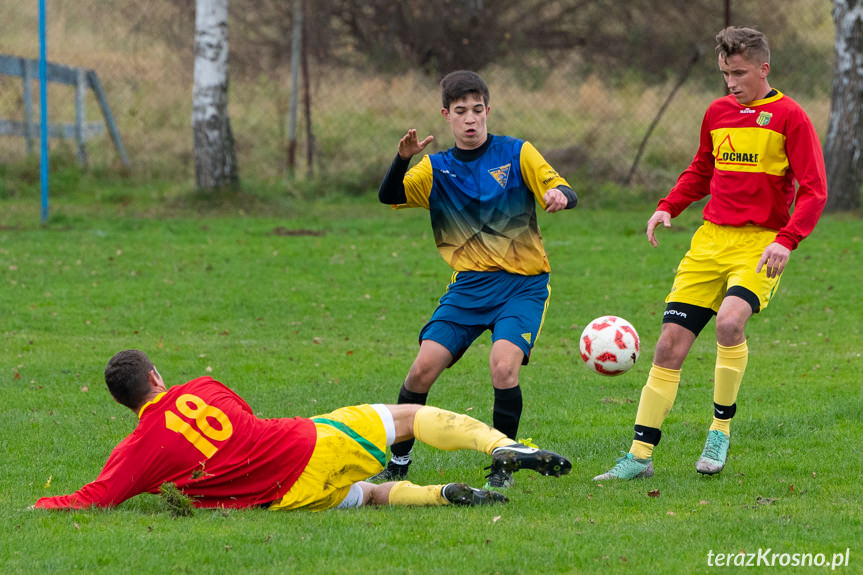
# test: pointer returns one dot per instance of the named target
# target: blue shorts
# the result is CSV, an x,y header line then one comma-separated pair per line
x,y
512,306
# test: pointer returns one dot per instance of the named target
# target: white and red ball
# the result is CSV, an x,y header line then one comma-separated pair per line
x,y
609,345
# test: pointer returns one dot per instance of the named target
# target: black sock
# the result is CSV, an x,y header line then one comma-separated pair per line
x,y
403,448
507,410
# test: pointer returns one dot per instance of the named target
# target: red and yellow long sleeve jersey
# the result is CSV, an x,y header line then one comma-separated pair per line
x,y
204,438
748,159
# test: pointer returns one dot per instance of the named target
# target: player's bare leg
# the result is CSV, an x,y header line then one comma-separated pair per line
x,y
430,362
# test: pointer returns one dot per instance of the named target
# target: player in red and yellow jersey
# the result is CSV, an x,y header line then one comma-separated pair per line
x,y
482,196
758,154
203,438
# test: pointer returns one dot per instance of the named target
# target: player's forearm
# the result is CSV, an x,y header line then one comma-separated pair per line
x,y
61,502
99,493
392,189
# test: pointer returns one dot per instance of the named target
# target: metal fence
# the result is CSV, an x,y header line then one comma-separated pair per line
x,y
587,121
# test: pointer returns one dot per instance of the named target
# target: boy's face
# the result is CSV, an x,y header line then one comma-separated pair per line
x,y
746,80
467,119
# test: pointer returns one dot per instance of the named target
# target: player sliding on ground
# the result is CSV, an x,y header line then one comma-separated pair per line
x,y
203,438
755,143
482,196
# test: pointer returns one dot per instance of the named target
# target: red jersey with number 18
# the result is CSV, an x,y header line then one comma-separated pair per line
x,y
204,438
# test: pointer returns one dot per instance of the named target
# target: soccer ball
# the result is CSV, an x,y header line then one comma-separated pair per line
x,y
609,345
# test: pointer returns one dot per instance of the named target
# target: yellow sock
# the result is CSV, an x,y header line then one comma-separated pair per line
x,y
407,493
450,431
730,366
641,449
657,397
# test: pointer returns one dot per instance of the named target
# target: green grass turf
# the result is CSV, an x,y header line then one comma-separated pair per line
x,y
317,304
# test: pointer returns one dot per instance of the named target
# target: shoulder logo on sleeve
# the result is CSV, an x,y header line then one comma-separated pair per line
x,y
763,118
501,174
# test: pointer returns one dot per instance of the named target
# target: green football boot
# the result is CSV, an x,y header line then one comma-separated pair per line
x,y
628,467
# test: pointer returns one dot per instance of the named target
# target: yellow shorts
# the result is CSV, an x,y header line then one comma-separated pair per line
x,y
721,257
351,446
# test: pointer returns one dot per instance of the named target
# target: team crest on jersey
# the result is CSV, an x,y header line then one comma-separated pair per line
x,y
501,174
763,118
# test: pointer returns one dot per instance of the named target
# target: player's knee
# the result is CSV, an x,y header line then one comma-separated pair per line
x,y
729,330
420,378
504,374
670,351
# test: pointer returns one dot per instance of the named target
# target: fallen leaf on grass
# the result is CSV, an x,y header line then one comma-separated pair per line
x,y
671,513
765,500
48,483
653,493
496,518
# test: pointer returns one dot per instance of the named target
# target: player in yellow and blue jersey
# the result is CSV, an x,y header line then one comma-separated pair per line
x,y
482,196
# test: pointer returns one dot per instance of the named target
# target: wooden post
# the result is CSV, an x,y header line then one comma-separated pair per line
x,y
106,113
296,36
80,114
307,103
29,128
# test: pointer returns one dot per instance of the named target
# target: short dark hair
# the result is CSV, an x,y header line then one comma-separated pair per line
x,y
748,42
458,84
127,376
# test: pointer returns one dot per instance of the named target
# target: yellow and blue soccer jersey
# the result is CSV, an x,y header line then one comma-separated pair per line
x,y
483,204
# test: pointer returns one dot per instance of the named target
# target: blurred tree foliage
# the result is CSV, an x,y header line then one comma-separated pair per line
x,y
636,39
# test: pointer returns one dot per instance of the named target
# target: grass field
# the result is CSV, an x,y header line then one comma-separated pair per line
x,y
303,306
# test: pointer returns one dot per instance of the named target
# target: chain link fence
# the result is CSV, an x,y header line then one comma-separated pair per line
x,y
589,119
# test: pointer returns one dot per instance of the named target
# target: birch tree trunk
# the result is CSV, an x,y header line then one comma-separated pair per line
x,y
215,158
843,148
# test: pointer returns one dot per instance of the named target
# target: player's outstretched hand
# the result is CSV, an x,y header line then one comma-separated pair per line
x,y
554,201
773,259
659,216
410,144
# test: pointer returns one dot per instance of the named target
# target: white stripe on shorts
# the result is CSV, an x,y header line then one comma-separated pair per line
x,y
387,420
